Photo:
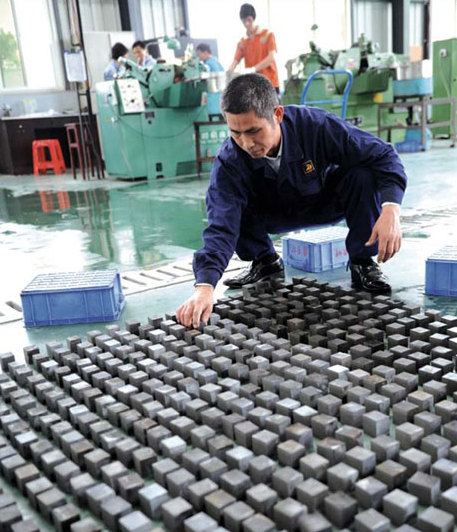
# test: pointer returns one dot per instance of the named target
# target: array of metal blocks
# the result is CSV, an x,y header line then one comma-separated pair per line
x,y
301,406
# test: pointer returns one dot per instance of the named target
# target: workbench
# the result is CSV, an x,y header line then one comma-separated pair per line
x,y
421,103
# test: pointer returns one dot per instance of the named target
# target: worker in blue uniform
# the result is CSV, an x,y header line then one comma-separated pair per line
x,y
286,168
205,56
114,68
213,99
142,55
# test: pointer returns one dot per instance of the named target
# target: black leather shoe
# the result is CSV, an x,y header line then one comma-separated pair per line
x,y
256,272
369,277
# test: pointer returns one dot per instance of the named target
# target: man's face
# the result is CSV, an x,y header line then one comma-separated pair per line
x,y
203,56
248,23
256,136
138,52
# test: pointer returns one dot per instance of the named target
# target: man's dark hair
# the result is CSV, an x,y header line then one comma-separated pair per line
x,y
247,10
203,47
118,50
250,92
139,43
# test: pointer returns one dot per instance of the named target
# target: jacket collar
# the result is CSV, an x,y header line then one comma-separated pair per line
x,y
291,151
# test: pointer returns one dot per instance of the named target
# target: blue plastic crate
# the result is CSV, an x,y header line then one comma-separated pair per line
x,y
72,297
441,272
415,134
316,251
408,146
412,142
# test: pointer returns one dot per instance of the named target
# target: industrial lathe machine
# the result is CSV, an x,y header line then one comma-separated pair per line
x,y
147,120
373,75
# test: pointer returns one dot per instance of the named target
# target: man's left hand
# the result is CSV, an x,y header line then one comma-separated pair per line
x,y
387,231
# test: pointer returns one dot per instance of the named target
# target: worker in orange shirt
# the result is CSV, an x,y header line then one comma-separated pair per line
x,y
257,48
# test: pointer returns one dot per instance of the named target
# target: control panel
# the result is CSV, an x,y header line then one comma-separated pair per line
x,y
130,95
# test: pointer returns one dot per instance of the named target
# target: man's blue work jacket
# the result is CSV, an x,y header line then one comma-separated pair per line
x,y
313,143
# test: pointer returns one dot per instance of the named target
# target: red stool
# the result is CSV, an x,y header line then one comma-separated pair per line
x,y
54,161
74,143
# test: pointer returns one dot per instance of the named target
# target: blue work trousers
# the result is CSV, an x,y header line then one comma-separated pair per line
x,y
351,195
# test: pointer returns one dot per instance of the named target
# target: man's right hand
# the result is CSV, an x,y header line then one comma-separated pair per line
x,y
197,308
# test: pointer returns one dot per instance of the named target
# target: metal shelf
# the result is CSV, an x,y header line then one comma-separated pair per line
x,y
422,103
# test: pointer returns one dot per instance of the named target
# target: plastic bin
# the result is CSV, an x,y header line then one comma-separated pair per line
x,y
412,142
316,251
415,134
408,146
72,297
441,272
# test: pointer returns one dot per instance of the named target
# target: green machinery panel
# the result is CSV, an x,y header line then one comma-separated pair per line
x,y
155,143
121,136
211,137
444,81
168,136
373,83
147,116
362,105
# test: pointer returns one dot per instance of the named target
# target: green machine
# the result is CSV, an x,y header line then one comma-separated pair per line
x,y
444,81
373,74
146,120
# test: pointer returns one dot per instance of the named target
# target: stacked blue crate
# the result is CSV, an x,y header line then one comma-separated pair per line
x,y
441,272
412,142
316,251
72,297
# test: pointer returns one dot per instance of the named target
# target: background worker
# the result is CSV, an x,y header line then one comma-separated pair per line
x,y
286,168
211,61
114,68
213,99
258,48
142,55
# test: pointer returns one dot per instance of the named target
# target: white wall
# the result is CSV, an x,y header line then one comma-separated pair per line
x,y
443,19
290,20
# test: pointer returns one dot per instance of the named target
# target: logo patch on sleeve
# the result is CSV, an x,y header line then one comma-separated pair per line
x,y
308,167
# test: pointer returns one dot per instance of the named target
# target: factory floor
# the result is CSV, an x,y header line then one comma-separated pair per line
x,y
55,223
